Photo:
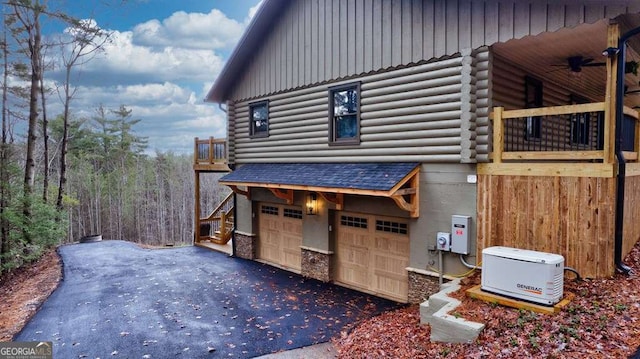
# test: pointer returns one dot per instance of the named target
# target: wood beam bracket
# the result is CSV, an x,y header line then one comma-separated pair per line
x,y
237,190
407,195
335,198
286,194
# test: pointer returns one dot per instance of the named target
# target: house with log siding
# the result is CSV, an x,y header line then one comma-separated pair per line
x,y
359,130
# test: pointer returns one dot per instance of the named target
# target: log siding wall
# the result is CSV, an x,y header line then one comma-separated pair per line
x,y
325,40
425,113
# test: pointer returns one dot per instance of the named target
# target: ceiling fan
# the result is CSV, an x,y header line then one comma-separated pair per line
x,y
576,63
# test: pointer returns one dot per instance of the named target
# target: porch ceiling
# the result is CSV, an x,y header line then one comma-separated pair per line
x,y
545,56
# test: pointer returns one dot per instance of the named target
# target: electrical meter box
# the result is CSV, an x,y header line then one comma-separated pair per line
x,y
443,241
460,227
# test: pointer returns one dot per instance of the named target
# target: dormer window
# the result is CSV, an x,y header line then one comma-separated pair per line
x,y
344,114
259,119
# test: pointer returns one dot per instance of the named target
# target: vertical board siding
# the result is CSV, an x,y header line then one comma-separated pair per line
x,y
416,112
571,216
631,228
364,36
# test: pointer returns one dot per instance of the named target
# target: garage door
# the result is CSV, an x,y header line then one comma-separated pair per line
x,y
280,235
372,254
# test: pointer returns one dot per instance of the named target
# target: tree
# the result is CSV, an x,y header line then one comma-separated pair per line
x,y
4,151
28,12
86,39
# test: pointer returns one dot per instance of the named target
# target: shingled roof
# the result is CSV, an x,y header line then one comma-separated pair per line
x,y
362,176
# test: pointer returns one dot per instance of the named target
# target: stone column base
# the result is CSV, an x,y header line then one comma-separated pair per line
x,y
316,265
421,286
246,245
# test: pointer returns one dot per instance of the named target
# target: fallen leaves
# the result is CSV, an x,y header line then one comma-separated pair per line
x,y
601,322
23,291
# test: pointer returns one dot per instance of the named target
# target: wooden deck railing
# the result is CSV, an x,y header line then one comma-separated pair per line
x,y
560,133
218,226
210,151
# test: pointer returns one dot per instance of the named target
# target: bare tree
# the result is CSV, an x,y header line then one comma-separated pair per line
x,y
86,40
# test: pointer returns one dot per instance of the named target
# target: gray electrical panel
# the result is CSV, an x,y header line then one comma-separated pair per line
x,y
460,228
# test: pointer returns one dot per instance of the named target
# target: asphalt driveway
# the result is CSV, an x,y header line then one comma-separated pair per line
x,y
118,300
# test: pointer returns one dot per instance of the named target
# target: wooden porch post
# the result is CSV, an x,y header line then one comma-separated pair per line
x,y
498,135
196,235
613,34
195,152
211,159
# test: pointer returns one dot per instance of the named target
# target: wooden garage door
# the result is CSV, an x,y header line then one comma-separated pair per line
x,y
372,254
280,235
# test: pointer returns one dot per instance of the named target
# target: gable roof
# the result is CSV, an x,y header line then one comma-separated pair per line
x,y
257,30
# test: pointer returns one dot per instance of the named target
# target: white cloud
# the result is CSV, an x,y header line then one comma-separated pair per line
x,y
125,62
170,115
253,10
193,30
161,70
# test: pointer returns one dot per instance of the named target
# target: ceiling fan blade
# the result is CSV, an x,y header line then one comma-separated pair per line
x,y
594,64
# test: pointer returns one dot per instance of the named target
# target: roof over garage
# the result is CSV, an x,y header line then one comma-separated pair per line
x,y
398,181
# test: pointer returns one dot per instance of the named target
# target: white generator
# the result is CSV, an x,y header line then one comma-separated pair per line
x,y
523,274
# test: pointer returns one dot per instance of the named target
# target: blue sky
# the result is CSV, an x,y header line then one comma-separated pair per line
x,y
163,58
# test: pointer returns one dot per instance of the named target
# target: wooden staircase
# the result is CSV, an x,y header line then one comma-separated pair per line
x,y
218,226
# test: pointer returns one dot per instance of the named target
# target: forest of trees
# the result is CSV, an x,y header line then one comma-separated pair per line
x,y
66,177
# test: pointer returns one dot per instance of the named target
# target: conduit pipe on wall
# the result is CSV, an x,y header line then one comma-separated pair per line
x,y
622,165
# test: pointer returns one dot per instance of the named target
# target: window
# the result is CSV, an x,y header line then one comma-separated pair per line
x,y
259,119
351,221
270,210
344,114
580,123
292,213
391,227
533,99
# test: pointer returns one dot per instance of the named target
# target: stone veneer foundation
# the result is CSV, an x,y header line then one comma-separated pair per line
x,y
316,265
421,286
246,245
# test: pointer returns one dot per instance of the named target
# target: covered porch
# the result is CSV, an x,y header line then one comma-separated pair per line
x,y
563,150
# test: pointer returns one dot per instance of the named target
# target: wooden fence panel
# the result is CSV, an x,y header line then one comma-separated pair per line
x,y
571,216
631,228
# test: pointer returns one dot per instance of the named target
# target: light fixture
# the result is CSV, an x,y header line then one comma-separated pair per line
x,y
312,204
610,51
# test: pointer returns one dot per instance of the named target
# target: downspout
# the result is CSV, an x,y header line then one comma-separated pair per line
x,y
622,164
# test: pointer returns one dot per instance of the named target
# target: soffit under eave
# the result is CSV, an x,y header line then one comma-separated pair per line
x,y
405,193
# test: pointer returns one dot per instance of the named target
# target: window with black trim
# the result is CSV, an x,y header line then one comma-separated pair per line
x,y
292,213
259,119
270,210
351,221
580,122
533,99
344,114
391,227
